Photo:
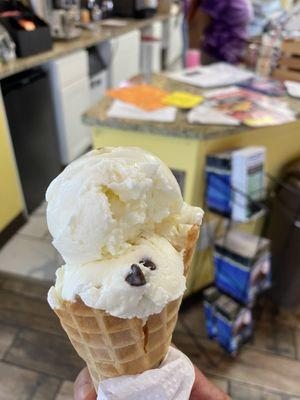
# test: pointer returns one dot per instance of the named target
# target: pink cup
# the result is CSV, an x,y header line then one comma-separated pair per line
x,y
192,58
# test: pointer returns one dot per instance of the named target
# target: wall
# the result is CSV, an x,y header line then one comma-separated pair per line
x,y
11,201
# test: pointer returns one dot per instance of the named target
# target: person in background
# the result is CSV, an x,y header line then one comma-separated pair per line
x,y
225,36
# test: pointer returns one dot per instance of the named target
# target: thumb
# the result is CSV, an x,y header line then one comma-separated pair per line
x,y
83,387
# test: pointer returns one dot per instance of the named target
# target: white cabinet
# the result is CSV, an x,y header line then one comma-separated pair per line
x,y
125,57
71,92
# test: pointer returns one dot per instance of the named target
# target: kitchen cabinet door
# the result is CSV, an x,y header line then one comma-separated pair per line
x,y
77,137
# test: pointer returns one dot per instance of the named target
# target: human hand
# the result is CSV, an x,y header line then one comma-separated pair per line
x,y
83,387
203,389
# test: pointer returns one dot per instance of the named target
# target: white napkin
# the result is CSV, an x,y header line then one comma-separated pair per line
x,y
173,380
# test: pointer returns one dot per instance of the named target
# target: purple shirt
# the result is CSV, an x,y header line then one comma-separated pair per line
x,y
226,35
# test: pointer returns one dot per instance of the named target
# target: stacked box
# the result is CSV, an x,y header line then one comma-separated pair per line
x,y
218,183
211,295
235,182
234,324
242,265
227,321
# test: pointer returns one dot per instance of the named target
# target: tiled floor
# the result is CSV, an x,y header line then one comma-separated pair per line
x,y
30,252
37,361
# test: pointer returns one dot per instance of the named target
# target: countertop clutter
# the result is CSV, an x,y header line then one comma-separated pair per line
x,y
97,115
86,39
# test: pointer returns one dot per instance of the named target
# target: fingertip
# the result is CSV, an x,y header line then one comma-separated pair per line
x,y
85,392
83,387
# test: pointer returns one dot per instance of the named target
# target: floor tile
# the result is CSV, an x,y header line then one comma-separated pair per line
x,y
24,286
275,338
66,391
219,382
7,335
36,227
16,383
29,257
45,352
261,369
285,317
193,318
46,388
25,312
41,210
241,391
204,355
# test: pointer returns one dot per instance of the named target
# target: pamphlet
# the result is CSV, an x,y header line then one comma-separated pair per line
x,y
184,100
251,108
214,75
264,85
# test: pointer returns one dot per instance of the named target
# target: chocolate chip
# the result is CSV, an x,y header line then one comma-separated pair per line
x,y
148,263
136,277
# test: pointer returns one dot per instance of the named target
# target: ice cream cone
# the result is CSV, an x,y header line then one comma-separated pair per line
x,y
113,346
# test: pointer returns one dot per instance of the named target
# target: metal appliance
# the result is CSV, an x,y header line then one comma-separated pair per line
x,y
30,114
135,8
64,23
98,73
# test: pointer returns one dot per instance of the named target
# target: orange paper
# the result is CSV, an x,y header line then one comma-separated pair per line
x,y
144,96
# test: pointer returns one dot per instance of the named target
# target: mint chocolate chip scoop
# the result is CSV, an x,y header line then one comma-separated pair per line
x,y
148,263
136,276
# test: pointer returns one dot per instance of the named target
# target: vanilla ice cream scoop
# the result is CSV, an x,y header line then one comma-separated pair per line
x,y
101,203
138,283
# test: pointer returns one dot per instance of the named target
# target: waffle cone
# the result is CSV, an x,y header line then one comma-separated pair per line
x,y
113,346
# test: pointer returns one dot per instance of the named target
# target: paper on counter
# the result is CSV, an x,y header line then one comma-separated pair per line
x,y
214,75
184,100
173,380
144,96
122,110
293,88
207,115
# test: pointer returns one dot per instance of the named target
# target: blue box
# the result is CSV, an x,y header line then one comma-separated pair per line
x,y
234,324
210,295
218,183
242,265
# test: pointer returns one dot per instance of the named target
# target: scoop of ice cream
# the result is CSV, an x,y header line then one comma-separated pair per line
x,y
103,201
138,283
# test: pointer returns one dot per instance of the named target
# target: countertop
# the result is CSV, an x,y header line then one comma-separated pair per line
x,y
87,39
97,116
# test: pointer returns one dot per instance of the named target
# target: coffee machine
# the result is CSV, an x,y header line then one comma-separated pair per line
x,y
135,8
